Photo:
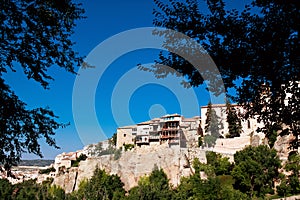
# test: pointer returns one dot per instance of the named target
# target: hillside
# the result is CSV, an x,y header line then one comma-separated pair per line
x,y
37,162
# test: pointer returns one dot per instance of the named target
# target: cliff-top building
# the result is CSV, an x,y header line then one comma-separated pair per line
x,y
171,129
175,130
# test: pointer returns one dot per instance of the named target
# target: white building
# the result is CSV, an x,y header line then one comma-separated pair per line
x,y
248,126
170,129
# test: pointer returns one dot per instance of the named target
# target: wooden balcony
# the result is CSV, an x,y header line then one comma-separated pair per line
x,y
169,136
170,128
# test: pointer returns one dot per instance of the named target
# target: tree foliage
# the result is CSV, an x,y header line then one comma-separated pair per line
x,y
47,170
221,165
101,186
214,187
209,140
6,189
257,45
233,120
291,184
21,128
113,140
30,190
154,186
75,163
255,170
211,125
35,35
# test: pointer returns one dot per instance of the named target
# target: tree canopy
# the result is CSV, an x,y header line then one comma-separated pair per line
x,y
100,186
154,186
255,170
255,49
35,35
212,124
233,120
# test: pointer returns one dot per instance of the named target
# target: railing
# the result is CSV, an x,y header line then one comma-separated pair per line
x,y
170,128
141,142
154,137
169,136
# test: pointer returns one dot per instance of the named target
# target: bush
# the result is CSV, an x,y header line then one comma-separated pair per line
x,y
209,140
117,154
75,163
101,186
47,171
128,146
200,142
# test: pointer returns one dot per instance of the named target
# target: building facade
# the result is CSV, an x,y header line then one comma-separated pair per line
x,y
168,129
248,126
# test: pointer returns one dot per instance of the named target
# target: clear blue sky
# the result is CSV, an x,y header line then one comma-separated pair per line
x,y
149,99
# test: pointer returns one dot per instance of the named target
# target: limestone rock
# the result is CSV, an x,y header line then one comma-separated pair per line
x,y
134,164
282,146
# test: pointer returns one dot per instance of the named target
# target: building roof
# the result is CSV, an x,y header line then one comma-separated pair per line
x,y
194,119
127,127
220,105
145,123
171,115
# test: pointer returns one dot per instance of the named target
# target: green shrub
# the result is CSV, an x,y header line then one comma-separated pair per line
x,y
117,154
128,146
75,163
47,171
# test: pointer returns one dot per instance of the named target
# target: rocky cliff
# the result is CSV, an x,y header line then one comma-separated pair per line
x,y
175,161
133,164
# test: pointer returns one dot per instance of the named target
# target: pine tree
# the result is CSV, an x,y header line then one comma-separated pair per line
x,y
233,120
211,125
212,122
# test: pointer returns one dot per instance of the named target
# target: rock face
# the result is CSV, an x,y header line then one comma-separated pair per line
x,y
140,161
175,161
282,146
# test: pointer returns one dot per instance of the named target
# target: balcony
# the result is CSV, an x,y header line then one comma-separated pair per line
x,y
141,142
154,137
169,136
170,128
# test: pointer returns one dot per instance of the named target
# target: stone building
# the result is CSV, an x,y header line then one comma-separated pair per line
x,y
126,135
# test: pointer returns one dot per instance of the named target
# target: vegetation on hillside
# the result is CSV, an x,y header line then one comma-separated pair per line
x,y
37,162
252,176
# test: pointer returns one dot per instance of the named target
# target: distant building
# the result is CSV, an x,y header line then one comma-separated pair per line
x,y
170,129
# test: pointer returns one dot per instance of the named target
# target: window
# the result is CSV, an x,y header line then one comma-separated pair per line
x,y
249,125
124,134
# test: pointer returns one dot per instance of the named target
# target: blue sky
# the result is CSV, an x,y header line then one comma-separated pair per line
x,y
151,98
